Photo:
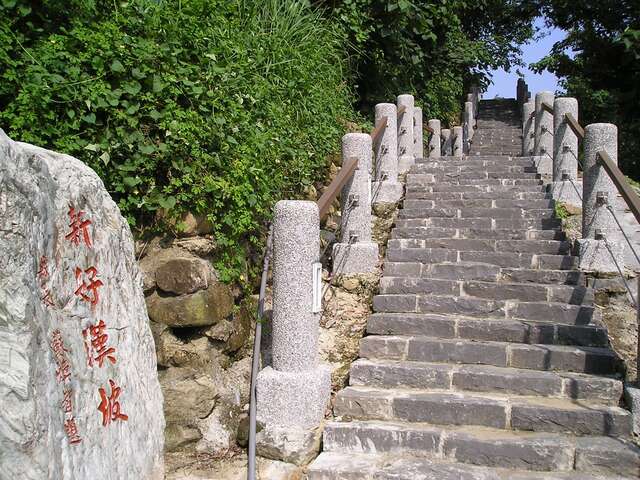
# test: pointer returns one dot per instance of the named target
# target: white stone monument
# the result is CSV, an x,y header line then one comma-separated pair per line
x,y
78,381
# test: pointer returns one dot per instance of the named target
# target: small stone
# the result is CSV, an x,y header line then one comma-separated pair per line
x,y
184,275
292,445
351,284
242,434
188,393
177,436
193,225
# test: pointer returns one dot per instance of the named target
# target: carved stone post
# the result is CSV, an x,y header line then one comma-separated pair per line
x,y
528,130
356,253
544,125
599,230
386,188
565,187
435,139
447,146
468,126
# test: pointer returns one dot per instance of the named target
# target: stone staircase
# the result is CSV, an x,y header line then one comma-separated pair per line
x,y
485,358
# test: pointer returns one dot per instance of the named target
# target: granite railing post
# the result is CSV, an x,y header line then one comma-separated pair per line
x,y
356,253
601,242
468,126
565,187
528,129
435,145
543,139
292,393
405,133
386,188
418,139
447,145
458,145
471,97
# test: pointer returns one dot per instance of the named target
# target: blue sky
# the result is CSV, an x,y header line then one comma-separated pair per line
x,y
504,84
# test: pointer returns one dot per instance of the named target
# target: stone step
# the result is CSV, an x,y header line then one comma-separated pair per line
x,y
441,168
495,411
483,203
483,329
507,195
471,212
545,357
479,176
482,223
451,304
543,247
484,378
476,233
529,292
484,160
528,186
430,182
487,447
501,259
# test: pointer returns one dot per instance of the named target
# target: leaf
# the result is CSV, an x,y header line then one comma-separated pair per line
x,y
90,118
117,67
155,114
93,147
71,114
131,181
167,203
105,157
158,85
147,149
132,88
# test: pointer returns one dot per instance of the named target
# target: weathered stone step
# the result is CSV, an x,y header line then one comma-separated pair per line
x,y
527,204
528,186
484,378
483,272
540,194
484,160
496,411
444,185
546,357
471,212
476,233
482,223
501,259
483,329
486,447
550,247
574,295
478,177
556,312
441,168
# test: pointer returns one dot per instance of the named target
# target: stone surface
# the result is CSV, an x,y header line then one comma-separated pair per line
x,y
386,150
458,142
569,192
187,393
184,275
203,308
447,144
598,256
405,133
360,257
632,399
356,194
418,140
68,263
296,446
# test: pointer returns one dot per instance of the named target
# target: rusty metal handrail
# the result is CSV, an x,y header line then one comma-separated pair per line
x,y
621,183
575,126
402,109
379,129
332,191
546,107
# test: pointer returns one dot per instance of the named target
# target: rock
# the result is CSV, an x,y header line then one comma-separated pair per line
x,y
350,283
385,210
291,445
200,246
219,429
191,225
188,394
274,470
184,275
68,275
174,352
242,434
177,436
203,308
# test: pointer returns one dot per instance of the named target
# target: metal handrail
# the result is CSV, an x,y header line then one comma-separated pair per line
x,y
255,363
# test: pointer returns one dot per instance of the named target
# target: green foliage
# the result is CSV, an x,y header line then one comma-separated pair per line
x,y
216,107
435,50
599,64
561,211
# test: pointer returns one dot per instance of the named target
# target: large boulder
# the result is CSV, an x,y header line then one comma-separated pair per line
x,y
78,381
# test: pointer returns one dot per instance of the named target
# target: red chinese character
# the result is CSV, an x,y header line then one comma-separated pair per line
x,y
63,371
110,406
46,298
67,401
43,271
98,344
79,228
71,429
88,291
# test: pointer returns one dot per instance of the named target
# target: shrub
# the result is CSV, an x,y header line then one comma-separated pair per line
x,y
216,107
